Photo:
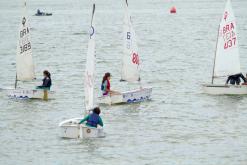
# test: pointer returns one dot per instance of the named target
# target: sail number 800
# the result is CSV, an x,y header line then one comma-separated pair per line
x,y
25,47
135,58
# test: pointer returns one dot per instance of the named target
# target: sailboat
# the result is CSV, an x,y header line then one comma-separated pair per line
x,y
226,61
130,68
24,63
70,128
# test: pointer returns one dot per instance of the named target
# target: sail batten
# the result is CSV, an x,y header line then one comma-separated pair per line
x,y
130,62
90,68
24,61
227,60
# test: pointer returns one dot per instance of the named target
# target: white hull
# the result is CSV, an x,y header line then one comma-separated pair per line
x,y
30,94
133,96
71,129
225,89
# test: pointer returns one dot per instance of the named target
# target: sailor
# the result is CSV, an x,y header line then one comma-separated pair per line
x,y
93,119
38,12
106,86
245,83
235,79
46,81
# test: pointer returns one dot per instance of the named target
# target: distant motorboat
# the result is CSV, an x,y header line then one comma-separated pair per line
x,y
39,13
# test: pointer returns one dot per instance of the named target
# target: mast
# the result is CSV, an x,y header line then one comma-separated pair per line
x,y
212,81
90,69
15,81
92,16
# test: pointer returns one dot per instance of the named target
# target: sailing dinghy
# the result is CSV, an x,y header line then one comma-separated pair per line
x,y
130,68
24,64
70,128
226,61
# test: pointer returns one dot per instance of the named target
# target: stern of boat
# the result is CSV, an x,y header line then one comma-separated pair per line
x,y
90,132
137,95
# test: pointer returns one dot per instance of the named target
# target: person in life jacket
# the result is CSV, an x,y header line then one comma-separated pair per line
x,y
106,86
46,81
235,79
93,119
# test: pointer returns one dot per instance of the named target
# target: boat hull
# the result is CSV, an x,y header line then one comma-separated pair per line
x,y
44,14
72,130
89,132
133,96
31,94
225,89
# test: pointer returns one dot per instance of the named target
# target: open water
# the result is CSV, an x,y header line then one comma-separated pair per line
x,y
180,126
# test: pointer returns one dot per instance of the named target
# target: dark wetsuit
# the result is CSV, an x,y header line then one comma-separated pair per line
x,y
46,83
235,79
38,12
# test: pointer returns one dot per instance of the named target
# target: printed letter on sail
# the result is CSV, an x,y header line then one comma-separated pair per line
x,y
227,54
24,61
130,64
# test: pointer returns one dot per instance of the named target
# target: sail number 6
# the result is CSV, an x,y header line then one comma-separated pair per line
x,y
128,35
135,58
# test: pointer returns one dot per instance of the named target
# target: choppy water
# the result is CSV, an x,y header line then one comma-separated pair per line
x,y
180,126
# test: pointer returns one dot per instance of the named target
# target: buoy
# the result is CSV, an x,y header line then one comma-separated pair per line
x,y
173,10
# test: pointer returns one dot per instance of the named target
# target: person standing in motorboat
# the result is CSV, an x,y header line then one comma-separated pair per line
x,y
46,81
93,119
106,86
235,79
39,12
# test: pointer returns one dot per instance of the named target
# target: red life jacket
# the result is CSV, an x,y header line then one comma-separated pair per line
x,y
108,87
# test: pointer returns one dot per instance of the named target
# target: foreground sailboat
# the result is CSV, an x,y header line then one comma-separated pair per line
x,y
226,61
130,68
24,64
70,128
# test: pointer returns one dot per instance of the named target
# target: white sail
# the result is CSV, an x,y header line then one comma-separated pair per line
x,y
227,54
90,69
24,61
131,61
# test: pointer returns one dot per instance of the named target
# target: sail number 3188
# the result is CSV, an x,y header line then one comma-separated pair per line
x,y
25,47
